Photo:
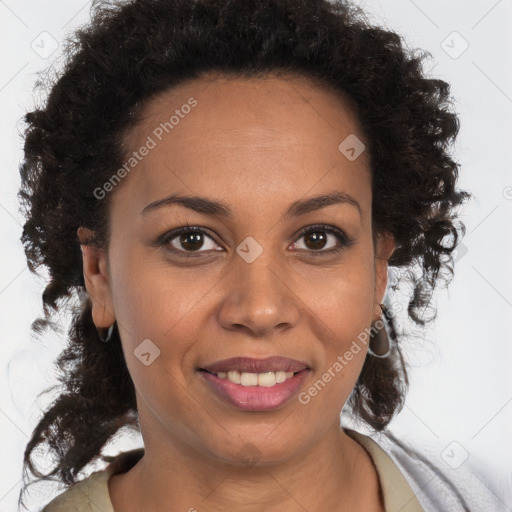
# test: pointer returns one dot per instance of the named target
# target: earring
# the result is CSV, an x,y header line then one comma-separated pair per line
x,y
101,333
379,345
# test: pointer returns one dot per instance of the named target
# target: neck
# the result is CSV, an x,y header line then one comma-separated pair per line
x,y
336,472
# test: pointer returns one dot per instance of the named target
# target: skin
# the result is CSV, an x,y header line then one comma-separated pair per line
x,y
256,145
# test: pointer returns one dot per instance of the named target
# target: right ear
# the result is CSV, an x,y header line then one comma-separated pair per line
x,y
96,280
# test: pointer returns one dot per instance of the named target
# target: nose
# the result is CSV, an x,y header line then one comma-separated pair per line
x,y
258,299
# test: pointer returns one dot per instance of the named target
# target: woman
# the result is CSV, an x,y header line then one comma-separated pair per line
x,y
218,189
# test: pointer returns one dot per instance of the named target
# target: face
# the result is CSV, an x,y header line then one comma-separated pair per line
x,y
265,274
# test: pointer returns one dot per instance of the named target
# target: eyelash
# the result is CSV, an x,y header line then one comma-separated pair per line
x,y
343,239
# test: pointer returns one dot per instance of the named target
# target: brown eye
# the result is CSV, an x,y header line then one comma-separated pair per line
x,y
315,239
191,241
323,240
186,241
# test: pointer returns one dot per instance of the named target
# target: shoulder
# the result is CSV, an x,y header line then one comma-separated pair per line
x,y
397,492
91,494
437,484
88,495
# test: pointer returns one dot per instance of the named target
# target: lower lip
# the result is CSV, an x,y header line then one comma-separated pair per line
x,y
256,398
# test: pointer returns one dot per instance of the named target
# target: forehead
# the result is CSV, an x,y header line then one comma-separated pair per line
x,y
274,104
235,137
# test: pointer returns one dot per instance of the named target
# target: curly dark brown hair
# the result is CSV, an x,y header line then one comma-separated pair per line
x,y
133,50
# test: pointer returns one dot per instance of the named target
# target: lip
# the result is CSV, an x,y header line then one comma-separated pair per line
x,y
255,398
252,365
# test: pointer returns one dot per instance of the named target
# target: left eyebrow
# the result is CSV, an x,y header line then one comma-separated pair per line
x,y
304,206
211,207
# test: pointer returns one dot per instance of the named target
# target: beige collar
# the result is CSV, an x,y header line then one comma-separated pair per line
x,y
398,494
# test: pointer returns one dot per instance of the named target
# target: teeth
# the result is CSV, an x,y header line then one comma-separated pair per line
x,y
267,379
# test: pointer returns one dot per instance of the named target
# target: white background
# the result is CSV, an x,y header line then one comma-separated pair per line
x,y
461,384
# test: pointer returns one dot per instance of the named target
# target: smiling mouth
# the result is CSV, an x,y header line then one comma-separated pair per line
x,y
253,392
249,379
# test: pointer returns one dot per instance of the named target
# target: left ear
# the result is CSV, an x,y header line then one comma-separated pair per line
x,y
385,248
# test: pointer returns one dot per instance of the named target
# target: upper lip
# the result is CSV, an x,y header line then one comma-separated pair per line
x,y
251,365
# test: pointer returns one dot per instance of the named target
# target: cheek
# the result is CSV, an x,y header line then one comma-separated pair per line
x,y
150,296
341,321
172,306
159,324
340,309
165,305
341,299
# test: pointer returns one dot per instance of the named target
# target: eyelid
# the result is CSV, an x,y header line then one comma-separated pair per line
x,y
343,239
166,238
